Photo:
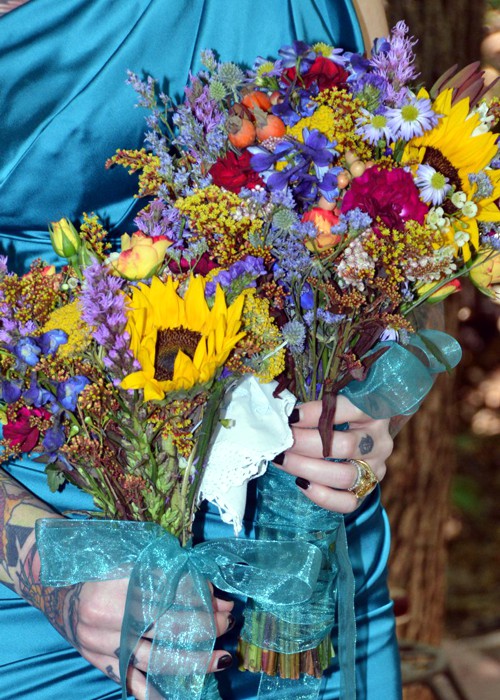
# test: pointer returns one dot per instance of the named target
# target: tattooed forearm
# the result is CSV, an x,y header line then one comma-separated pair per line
x,y
366,444
19,510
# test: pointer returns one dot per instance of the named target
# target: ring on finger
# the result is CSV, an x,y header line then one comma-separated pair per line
x,y
366,480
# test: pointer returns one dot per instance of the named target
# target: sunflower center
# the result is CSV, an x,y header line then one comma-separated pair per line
x,y
168,343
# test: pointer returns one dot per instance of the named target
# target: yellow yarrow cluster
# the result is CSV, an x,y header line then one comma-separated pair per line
x,y
68,319
220,217
336,119
260,326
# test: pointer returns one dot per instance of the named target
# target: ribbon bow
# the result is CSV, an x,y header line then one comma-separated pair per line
x,y
167,578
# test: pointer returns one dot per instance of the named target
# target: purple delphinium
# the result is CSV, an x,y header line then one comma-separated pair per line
x,y
103,309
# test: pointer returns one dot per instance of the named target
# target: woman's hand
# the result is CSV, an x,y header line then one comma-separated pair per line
x,y
324,482
90,617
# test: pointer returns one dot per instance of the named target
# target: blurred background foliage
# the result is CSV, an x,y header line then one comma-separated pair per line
x,y
457,541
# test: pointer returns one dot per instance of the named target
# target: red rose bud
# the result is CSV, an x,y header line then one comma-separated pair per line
x,y
441,292
323,221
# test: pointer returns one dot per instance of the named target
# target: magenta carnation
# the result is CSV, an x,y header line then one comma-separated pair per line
x,y
388,195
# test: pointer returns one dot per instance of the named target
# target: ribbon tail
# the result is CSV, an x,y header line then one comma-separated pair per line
x,y
346,619
276,688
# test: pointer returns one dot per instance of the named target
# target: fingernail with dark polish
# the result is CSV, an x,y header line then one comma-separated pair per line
x,y
294,416
230,622
302,483
279,459
224,662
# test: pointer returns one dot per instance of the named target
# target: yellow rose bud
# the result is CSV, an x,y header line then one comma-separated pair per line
x,y
141,256
65,239
441,292
485,274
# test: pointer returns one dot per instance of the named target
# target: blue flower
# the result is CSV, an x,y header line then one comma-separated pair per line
x,y
68,391
28,351
36,395
10,391
50,341
298,51
54,439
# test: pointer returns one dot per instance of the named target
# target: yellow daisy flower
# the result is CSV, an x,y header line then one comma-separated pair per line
x,y
458,147
179,341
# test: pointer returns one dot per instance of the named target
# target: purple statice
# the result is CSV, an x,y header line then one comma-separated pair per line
x,y
146,90
483,183
103,309
3,266
200,124
356,220
490,234
325,318
159,219
203,107
240,275
293,261
394,60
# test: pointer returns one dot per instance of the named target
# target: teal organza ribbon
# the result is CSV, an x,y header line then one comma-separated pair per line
x,y
169,588
401,378
284,513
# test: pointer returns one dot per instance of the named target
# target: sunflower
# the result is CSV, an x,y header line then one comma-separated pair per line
x,y
179,341
458,147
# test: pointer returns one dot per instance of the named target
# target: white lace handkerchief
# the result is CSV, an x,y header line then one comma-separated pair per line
x,y
258,431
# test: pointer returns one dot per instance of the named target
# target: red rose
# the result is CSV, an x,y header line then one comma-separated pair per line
x,y
390,195
234,172
24,432
325,73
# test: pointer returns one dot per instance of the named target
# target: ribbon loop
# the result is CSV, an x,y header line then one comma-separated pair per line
x,y
168,589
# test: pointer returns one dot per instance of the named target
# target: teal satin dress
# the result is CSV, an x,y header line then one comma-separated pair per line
x,y
65,109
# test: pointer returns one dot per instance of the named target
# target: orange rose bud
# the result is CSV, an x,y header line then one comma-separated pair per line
x,y
445,290
323,220
141,255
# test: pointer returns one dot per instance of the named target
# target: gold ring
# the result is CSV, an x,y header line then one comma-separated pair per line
x,y
365,480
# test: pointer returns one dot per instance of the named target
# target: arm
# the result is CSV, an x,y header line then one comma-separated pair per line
x,y
372,19
89,615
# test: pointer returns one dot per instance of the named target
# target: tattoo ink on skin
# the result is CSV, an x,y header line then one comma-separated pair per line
x,y
366,444
112,674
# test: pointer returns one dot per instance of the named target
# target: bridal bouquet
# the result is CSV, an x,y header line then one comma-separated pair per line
x,y
297,216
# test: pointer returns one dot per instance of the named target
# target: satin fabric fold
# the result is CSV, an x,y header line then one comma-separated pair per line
x,y
63,71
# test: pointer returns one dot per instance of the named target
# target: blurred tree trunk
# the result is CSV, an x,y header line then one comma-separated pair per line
x,y
416,490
